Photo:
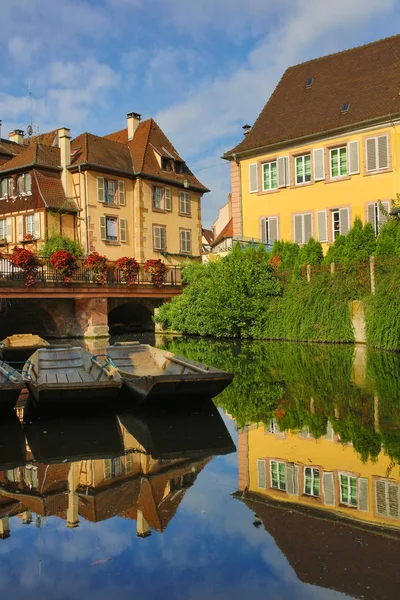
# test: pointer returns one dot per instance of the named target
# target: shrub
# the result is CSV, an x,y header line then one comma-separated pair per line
x,y
336,251
129,268
65,263
56,241
28,262
311,253
360,244
287,252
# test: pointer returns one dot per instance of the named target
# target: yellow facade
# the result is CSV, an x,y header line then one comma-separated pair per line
x,y
353,192
377,483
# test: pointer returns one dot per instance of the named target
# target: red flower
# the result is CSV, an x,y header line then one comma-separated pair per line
x,y
157,270
65,262
130,269
28,262
99,265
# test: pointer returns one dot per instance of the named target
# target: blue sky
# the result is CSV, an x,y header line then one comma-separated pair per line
x,y
201,69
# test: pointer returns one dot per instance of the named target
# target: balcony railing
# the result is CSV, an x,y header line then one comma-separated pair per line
x,y
83,275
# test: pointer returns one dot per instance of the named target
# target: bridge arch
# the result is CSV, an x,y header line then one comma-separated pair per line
x,y
27,316
132,315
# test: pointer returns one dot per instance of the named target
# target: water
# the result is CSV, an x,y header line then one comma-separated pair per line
x,y
155,505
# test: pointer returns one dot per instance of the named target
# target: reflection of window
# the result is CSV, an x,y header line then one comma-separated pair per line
x,y
303,169
116,466
348,490
31,476
3,229
278,475
387,498
311,481
272,427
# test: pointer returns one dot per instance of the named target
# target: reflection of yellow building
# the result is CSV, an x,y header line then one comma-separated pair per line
x,y
323,474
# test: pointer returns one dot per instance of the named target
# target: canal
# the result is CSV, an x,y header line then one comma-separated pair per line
x,y
290,488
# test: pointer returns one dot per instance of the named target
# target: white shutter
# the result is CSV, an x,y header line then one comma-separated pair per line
x,y
168,200
383,152
281,166
292,478
371,215
9,229
253,175
263,230
121,193
322,220
107,468
329,432
287,171
100,189
308,227
380,497
363,500
163,236
319,165
370,150
103,233
382,216
273,229
393,498
298,229
344,221
20,228
123,234
261,474
328,487
353,157
36,226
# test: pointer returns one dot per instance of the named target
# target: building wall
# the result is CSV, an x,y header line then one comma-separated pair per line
x,y
224,216
353,191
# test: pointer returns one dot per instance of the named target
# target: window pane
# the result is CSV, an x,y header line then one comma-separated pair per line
x,y
307,167
266,172
299,169
353,491
334,163
343,161
111,228
344,487
273,176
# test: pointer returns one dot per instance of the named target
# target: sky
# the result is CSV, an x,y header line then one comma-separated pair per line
x,y
200,69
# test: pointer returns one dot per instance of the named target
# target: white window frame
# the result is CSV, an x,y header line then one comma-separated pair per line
x,y
184,203
277,462
313,479
155,235
338,149
185,241
268,166
375,138
302,158
348,503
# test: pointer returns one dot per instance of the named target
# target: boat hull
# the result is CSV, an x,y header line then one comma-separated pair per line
x,y
9,397
55,394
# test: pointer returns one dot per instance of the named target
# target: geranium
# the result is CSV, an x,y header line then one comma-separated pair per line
x,y
65,263
98,264
129,268
27,261
28,237
157,270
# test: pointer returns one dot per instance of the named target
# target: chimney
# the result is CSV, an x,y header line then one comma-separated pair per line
x,y
143,530
16,136
246,129
64,143
133,123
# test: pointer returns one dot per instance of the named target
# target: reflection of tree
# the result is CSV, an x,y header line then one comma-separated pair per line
x,y
304,386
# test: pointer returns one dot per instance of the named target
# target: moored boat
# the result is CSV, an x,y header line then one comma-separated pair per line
x,y
151,373
70,374
11,384
19,347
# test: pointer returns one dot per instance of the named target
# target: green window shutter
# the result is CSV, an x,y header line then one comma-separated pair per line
x,y
100,189
354,157
121,193
9,229
123,227
103,232
253,176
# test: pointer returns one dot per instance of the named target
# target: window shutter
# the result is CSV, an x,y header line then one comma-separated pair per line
x,y
281,166
393,493
168,200
370,149
344,221
322,226
103,233
328,487
329,432
107,468
123,234
353,158
28,182
363,500
371,215
298,229
380,494
263,230
253,174
383,153
308,229
262,474
287,171
20,228
163,236
121,193
319,166
292,477
273,229
9,229
100,189
36,225
382,216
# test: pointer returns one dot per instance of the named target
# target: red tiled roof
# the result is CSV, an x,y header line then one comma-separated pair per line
x,y
227,232
89,148
52,192
34,155
367,77
10,148
208,234
48,139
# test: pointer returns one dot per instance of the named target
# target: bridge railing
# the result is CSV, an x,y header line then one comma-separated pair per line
x,y
83,275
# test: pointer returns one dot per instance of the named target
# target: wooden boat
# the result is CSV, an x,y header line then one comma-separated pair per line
x,y
19,347
11,384
72,374
151,373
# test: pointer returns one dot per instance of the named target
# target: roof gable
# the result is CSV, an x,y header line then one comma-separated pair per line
x,y
35,154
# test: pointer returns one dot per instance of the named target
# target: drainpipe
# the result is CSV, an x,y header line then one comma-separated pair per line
x,y
85,211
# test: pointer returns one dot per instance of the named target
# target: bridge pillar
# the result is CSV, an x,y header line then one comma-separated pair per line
x,y
92,316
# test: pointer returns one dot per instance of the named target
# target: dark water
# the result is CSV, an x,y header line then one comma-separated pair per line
x,y
154,504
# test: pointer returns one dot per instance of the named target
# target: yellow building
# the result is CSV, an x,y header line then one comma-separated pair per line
x,y
324,150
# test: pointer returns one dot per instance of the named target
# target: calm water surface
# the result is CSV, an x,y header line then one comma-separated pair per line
x,y
289,489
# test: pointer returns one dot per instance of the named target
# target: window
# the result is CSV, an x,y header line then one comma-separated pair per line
x,y
309,82
348,490
186,240
3,188
116,466
109,229
184,203
159,237
303,169
168,199
166,164
110,191
278,475
24,183
269,176
377,153
30,225
3,229
377,214
10,186
311,482
158,198
269,230
302,228
387,498
338,162
340,222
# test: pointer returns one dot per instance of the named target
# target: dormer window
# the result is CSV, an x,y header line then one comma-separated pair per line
x,y
24,183
166,164
4,187
309,82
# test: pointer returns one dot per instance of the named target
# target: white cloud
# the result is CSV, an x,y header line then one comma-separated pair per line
x,y
22,50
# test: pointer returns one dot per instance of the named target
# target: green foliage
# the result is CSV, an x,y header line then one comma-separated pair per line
x,y
336,251
383,312
360,244
56,242
388,241
224,297
287,252
311,253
